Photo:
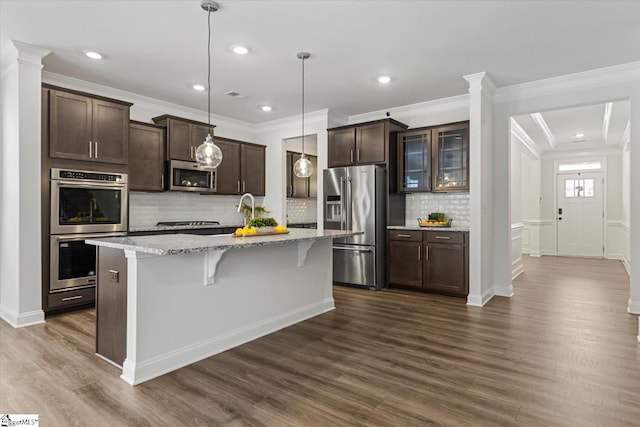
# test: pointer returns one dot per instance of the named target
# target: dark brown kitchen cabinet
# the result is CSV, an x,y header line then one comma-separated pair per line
x,y
365,143
146,157
414,160
111,305
82,127
228,180
252,169
429,261
183,136
451,157
301,187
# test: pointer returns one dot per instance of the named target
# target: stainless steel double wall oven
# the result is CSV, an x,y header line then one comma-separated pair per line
x,y
84,204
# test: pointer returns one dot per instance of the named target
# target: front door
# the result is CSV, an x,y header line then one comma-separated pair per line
x,y
580,214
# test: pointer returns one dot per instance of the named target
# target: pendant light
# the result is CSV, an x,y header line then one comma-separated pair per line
x,y
303,167
209,154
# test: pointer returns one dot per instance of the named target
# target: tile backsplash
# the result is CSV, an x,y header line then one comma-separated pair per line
x,y
146,209
302,210
454,205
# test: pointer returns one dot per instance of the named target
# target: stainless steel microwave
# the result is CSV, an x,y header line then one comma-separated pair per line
x,y
190,176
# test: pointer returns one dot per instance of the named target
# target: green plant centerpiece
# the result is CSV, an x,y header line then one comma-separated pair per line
x,y
245,209
262,222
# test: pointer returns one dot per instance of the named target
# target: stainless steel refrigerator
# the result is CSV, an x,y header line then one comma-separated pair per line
x,y
355,199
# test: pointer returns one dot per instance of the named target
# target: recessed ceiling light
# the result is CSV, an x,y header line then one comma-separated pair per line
x,y
384,79
93,55
579,135
266,108
198,87
240,50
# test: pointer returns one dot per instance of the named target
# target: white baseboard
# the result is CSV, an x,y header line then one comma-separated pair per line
x,y
516,269
136,373
504,291
633,307
536,254
480,300
627,265
21,320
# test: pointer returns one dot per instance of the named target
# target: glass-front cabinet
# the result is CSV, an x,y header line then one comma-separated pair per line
x,y
434,158
415,160
451,157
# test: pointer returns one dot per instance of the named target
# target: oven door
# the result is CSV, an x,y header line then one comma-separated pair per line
x,y
88,207
73,262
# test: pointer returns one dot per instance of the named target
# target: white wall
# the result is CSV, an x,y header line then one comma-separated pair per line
x,y
625,178
516,208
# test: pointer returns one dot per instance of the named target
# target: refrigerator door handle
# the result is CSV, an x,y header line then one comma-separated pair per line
x,y
342,197
346,248
349,224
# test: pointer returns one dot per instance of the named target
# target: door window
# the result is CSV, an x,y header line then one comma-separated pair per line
x,y
578,188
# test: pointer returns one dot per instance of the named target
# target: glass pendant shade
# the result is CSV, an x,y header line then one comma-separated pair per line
x,y
303,167
209,154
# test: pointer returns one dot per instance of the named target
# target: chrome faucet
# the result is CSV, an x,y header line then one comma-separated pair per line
x,y
253,204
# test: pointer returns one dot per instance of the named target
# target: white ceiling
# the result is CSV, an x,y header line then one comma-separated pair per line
x,y
564,125
158,49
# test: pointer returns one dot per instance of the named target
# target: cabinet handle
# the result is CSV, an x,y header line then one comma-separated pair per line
x,y
95,152
358,155
443,237
419,250
72,298
90,149
427,253
238,186
243,186
403,235
191,152
351,156
162,181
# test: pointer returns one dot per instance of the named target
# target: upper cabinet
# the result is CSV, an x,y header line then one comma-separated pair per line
x,y
365,143
183,136
434,159
242,169
451,157
301,187
146,153
83,127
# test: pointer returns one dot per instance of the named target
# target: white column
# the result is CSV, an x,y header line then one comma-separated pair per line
x,y
634,203
20,178
481,90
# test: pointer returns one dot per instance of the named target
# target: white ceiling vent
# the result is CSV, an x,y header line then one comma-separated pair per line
x,y
234,94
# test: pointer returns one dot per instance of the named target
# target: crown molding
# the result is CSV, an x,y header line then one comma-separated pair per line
x,y
584,80
521,135
443,104
626,136
606,120
319,116
481,82
542,124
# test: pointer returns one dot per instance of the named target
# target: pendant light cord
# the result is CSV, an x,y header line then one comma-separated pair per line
x,y
209,67
303,107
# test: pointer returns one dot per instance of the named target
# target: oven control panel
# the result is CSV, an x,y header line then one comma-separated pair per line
x,y
87,175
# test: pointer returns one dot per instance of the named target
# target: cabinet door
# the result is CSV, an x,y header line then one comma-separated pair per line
x,y
313,179
179,140
405,263
415,161
146,157
198,135
300,186
110,132
289,172
70,118
445,269
342,144
228,173
252,158
451,158
370,144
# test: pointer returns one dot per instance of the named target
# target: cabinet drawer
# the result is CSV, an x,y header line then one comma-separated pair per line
x,y
445,237
70,298
406,235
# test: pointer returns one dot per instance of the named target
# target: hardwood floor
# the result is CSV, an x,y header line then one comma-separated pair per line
x,y
562,351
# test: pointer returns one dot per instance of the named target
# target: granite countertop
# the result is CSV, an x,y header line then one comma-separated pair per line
x,y
418,228
171,244
178,227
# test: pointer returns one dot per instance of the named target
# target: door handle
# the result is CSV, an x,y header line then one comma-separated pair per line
x,y
404,235
559,211
419,250
343,248
90,149
351,156
95,152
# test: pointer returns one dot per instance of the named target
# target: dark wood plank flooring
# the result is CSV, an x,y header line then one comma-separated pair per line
x,y
561,352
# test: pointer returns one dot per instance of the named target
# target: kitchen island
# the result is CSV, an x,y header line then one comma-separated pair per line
x,y
190,297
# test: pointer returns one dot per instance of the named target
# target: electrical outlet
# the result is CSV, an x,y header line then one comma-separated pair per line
x,y
114,275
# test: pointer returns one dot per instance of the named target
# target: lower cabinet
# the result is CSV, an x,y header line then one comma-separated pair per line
x,y
429,261
111,305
